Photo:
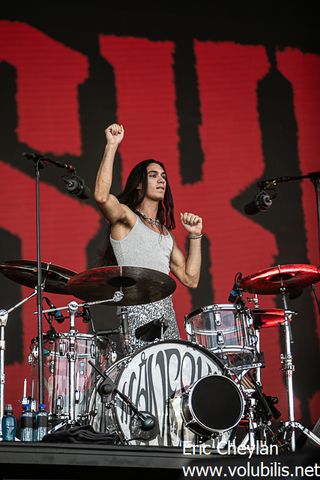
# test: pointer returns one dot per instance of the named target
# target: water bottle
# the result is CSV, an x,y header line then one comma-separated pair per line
x,y
41,423
26,432
8,424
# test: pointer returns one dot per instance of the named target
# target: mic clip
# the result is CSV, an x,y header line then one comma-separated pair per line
x,y
262,201
236,291
76,186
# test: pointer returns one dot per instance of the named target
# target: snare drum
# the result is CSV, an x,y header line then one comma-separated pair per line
x,y
56,362
226,330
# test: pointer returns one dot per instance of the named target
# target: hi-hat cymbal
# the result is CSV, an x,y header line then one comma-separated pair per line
x,y
25,272
139,285
271,280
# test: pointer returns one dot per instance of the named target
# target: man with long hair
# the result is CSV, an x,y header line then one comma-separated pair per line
x,y
141,220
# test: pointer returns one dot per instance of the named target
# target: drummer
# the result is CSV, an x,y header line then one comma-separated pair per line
x,y
140,223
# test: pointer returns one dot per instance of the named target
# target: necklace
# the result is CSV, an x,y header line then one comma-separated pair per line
x,y
150,220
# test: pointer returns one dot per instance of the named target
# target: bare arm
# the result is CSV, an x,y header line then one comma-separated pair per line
x,y
187,270
109,205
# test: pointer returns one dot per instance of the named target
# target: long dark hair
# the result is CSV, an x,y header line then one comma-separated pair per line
x,y
132,197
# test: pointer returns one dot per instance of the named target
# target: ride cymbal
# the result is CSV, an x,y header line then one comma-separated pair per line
x,y
271,280
25,272
139,285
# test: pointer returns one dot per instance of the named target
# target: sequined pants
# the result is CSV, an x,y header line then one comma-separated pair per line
x,y
139,315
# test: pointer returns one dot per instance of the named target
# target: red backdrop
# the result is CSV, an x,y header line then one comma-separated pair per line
x,y
52,113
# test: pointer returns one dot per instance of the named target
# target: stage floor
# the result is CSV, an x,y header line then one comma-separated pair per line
x,y
67,461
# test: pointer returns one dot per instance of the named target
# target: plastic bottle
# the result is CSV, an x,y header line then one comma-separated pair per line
x,y
8,424
26,432
41,423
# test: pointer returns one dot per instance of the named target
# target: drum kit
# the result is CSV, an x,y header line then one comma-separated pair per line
x,y
170,391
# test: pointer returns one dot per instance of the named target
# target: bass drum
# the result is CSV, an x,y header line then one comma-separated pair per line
x,y
162,379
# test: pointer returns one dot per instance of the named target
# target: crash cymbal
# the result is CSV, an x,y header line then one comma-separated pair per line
x,y
268,317
292,277
139,285
25,272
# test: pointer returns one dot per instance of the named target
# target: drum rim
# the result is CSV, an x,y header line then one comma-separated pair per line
x,y
204,350
195,417
208,308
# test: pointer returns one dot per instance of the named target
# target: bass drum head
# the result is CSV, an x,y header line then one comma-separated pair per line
x,y
154,379
222,413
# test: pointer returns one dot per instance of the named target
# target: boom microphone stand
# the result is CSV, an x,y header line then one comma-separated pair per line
x,y
314,177
39,161
289,427
38,164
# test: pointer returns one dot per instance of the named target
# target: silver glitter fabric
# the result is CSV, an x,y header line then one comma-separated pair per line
x,y
139,315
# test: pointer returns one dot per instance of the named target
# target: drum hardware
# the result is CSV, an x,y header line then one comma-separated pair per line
x,y
147,427
280,280
152,330
4,315
259,410
124,328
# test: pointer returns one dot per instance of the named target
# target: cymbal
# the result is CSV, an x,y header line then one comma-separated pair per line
x,y
25,272
270,280
268,317
139,285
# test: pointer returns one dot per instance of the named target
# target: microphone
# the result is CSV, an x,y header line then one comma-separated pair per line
x,y
235,291
106,387
56,314
261,203
147,421
76,186
57,163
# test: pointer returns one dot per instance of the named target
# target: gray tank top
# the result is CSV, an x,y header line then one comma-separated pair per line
x,y
143,247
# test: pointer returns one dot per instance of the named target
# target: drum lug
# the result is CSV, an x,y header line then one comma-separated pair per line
x,y
31,357
59,403
51,367
82,368
93,350
220,338
76,396
62,349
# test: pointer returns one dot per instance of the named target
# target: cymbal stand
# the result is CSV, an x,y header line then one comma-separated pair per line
x,y
4,314
288,367
71,356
